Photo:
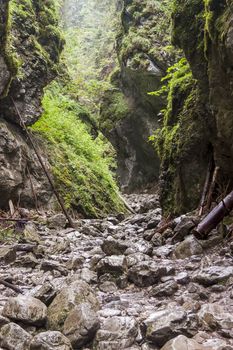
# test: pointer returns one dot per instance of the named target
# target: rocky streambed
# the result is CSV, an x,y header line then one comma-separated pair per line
x,y
116,284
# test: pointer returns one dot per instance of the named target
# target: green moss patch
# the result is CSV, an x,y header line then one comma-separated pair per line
x,y
80,164
32,30
114,108
179,141
146,32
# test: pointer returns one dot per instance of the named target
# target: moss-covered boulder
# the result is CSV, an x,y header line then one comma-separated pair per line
x,y
76,294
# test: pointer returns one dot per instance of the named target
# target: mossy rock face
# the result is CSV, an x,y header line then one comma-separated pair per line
x,y
189,34
128,125
183,144
30,47
219,51
145,35
17,161
114,107
184,141
81,164
5,72
202,123
128,114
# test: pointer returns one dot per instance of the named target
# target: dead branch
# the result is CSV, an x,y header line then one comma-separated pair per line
x,y
7,228
21,247
126,204
60,201
14,220
11,286
171,224
205,189
212,187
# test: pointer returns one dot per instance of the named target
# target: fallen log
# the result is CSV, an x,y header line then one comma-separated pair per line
x,y
215,216
21,247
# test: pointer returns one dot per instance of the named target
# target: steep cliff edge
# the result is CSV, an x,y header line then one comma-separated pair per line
x,y
198,123
128,114
30,46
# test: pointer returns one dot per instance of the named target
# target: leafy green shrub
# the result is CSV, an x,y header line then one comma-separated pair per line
x,y
178,76
80,164
178,84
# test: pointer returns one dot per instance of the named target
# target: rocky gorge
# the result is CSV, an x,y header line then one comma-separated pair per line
x,y
116,284
128,104
128,114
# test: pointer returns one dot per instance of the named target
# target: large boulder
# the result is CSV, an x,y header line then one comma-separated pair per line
x,y
25,309
116,333
112,246
116,265
50,340
77,293
7,254
183,343
164,289
217,317
13,337
213,275
81,325
163,325
147,273
190,246
184,227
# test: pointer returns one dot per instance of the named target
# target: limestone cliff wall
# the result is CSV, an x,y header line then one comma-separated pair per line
x,y
30,45
128,114
204,118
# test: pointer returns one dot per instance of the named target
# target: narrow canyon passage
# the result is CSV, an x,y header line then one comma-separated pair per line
x,y
127,106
